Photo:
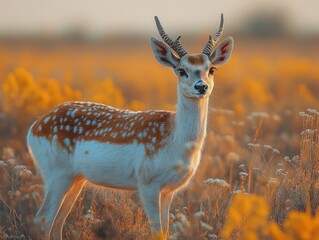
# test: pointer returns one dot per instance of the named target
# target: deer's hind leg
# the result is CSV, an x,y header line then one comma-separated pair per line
x,y
56,189
66,206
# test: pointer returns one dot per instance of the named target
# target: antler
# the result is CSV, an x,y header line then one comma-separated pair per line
x,y
211,42
175,45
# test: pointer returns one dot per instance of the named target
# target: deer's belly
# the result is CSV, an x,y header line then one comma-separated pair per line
x,y
110,165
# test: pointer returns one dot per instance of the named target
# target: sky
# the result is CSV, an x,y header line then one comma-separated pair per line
x,y
136,16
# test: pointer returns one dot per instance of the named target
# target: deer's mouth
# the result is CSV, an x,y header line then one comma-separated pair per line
x,y
200,95
195,95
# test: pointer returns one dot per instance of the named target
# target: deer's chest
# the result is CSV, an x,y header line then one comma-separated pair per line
x,y
181,171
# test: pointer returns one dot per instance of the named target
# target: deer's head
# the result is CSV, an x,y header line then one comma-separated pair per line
x,y
195,71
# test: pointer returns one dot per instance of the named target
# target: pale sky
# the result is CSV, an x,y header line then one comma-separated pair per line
x,y
125,16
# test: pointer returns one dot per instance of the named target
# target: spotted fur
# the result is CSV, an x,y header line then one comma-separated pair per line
x,y
86,121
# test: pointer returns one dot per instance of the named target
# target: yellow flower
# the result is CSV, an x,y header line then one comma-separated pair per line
x,y
274,231
23,96
247,216
300,225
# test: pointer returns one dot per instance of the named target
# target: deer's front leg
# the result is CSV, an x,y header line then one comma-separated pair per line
x,y
150,197
166,200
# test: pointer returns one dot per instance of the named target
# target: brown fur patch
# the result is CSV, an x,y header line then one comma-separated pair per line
x,y
85,121
196,59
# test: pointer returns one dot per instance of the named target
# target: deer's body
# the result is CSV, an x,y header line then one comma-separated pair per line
x,y
119,148
153,152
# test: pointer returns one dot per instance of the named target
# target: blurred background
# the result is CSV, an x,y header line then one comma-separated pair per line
x,y
99,50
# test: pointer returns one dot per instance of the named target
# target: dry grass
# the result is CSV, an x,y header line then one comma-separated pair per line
x,y
257,170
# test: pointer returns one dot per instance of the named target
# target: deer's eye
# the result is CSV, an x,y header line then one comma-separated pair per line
x,y
212,70
182,72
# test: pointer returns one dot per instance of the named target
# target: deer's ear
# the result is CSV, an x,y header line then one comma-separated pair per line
x,y
164,54
222,52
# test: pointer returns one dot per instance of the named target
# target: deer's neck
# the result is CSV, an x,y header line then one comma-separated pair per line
x,y
191,120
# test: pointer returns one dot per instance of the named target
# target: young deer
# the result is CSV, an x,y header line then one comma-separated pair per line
x,y
153,152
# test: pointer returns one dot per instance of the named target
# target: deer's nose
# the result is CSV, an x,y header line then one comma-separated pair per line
x,y
201,87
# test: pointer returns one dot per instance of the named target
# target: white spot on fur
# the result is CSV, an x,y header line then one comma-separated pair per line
x,y
46,120
67,141
74,112
145,133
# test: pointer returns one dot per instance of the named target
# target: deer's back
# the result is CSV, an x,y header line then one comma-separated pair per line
x,y
73,122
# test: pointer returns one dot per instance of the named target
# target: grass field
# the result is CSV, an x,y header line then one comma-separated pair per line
x,y
258,178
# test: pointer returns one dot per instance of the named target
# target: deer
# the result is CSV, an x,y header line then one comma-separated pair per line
x,y
154,152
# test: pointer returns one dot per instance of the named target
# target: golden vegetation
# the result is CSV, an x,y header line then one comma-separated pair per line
x,y
258,178
22,95
248,219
